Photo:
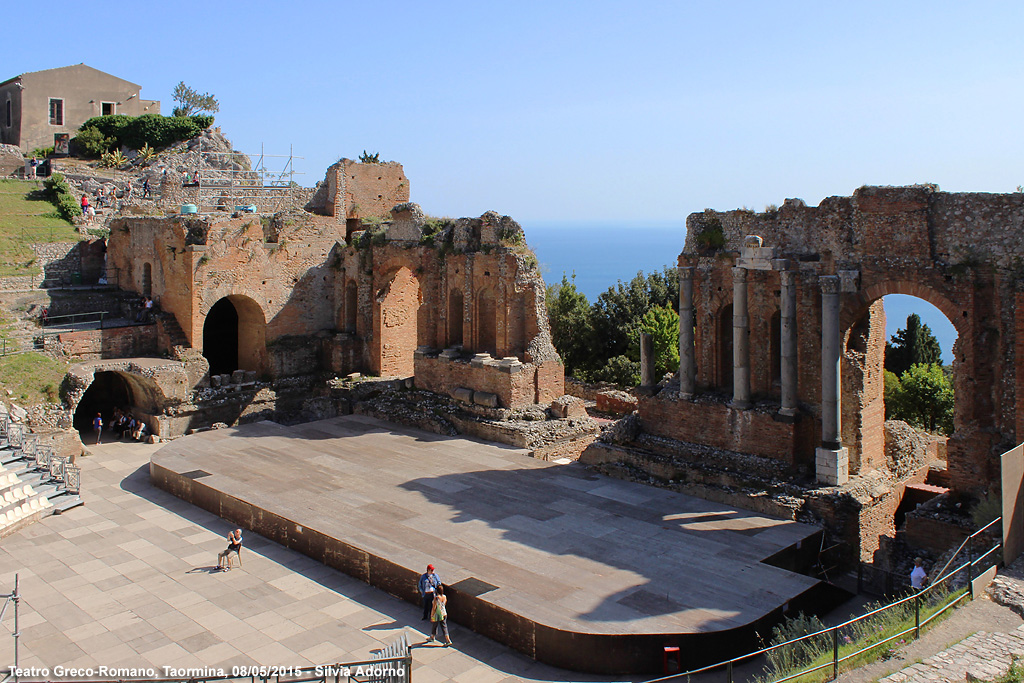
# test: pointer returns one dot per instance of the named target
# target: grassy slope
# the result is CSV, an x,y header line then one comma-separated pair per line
x,y
25,218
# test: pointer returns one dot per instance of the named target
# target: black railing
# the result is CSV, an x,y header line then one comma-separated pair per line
x,y
842,640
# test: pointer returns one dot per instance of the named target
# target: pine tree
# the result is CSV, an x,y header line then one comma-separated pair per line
x,y
913,345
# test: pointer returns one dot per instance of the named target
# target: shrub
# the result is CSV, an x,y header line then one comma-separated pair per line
x,y
41,152
113,159
91,143
151,130
59,193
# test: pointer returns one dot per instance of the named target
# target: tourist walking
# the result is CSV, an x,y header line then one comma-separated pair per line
x,y
429,582
234,546
85,204
97,426
918,577
439,617
145,188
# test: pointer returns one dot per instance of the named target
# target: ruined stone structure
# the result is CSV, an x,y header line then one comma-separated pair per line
x,y
783,359
457,304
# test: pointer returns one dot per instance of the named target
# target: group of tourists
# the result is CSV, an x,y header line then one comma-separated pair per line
x,y
122,424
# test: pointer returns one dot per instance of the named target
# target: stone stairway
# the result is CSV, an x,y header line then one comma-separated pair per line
x,y
175,335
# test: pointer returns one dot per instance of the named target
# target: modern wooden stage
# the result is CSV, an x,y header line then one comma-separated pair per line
x,y
573,568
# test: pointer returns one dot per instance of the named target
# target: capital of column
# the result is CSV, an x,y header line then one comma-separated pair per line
x,y
739,275
788,277
685,273
829,284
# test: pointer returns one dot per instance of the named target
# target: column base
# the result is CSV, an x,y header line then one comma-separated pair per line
x,y
832,466
739,405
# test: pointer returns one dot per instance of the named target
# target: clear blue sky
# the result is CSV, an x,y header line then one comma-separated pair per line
x,y
582,110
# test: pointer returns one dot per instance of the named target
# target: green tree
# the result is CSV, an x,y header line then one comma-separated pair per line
x,y
914,344
922,396
571,329
191,102
618,311
662,323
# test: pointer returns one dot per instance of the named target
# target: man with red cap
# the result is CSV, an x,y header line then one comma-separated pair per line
x,y
428,583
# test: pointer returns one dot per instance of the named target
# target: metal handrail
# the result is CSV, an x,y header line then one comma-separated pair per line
x,y
48,320
970,565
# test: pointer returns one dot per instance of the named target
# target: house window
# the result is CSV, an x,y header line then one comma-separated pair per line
x,y
56,111
108,108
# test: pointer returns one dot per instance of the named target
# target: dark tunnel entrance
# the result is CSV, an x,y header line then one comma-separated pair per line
x,y
220,338
108,390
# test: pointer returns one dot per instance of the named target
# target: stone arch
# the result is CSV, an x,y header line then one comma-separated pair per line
x,y
234,335
396,323
864,336
456,317
99,387
486,319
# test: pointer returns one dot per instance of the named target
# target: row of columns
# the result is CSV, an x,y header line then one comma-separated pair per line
x,y
830,349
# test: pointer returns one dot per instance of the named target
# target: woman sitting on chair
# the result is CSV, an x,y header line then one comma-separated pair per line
x,y
234,546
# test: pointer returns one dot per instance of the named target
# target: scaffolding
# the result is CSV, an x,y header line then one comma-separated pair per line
x,y
223,180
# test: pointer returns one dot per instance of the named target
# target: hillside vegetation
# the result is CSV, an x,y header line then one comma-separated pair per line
x,y
27,217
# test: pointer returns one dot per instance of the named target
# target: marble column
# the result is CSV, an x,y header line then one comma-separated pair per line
x,y
687,366
831,460
830,382
740,341
647,360
787,343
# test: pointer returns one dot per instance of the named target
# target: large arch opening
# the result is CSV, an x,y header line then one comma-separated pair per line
x,y
109,390
234,335
925,397
398,328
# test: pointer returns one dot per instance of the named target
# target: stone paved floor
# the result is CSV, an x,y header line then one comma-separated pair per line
x,y
982,656
127,581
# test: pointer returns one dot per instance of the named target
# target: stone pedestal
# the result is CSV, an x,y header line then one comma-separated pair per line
x,y
832,466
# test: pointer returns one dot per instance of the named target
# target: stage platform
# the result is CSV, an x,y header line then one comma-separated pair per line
x,y
573,568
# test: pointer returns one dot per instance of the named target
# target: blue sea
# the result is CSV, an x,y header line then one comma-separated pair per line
x,y
601,254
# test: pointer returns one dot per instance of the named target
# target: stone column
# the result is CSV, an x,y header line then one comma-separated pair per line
x,y
740,341
787,343
687,372
647,360
832,463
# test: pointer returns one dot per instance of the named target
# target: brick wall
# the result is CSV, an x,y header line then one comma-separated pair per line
x,y
714,423
514,384
117,342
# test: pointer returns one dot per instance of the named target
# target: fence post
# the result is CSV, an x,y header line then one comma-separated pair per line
x,y
835,653
17,601
728,672
917,615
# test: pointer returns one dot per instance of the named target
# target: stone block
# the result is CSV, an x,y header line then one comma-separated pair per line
x,y
214,381
250,376
832,467
480,360
616,402
463,395
484,398
238,376
451,353
568,406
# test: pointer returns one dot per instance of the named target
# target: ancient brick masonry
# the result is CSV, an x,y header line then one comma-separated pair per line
x,y
458,304
959,252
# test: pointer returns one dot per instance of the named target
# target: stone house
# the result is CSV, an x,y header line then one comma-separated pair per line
x,y
39,108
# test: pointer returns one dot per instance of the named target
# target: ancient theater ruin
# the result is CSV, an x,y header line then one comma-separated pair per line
x,y
255,312
778,403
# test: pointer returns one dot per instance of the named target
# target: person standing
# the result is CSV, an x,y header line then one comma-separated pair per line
x,y
97,426
145,187
85,204
429,582
439,616
918,577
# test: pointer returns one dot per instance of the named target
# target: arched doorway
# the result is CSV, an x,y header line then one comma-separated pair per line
x,y
397,323
455,317
108,390
486,322
234,335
